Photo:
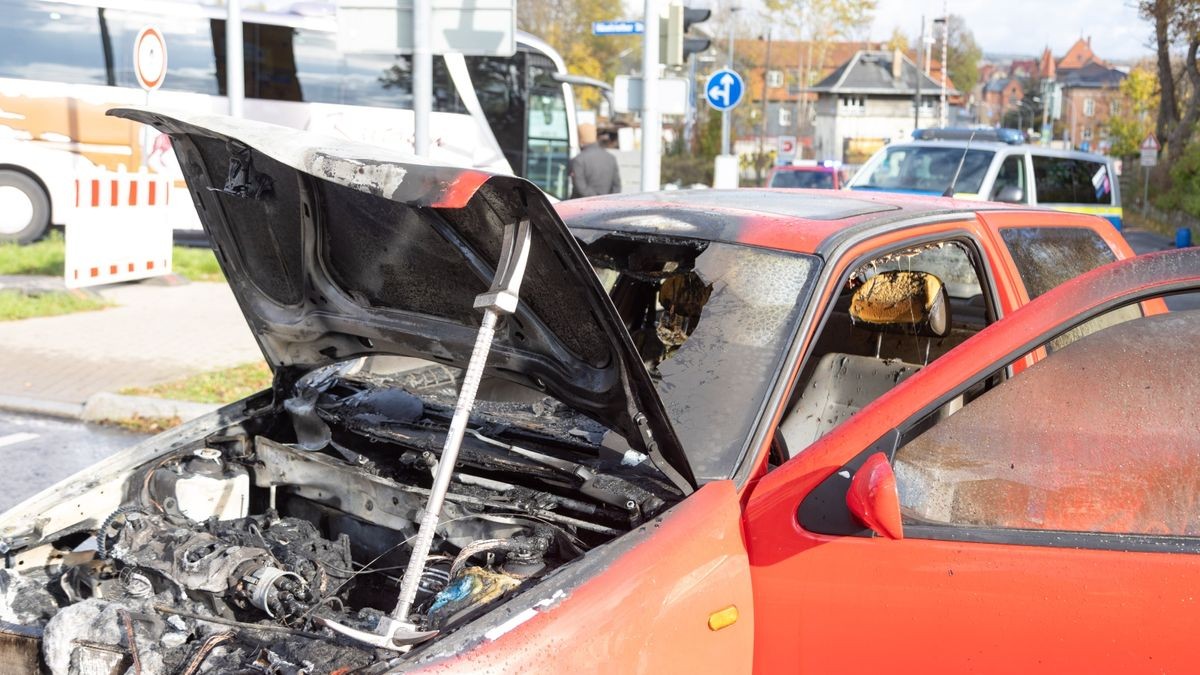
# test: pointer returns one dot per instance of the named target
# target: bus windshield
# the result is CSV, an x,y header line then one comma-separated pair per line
x,y
923,168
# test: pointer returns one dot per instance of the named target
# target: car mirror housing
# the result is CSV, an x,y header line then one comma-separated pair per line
x,y
908,302
874,499
1010,194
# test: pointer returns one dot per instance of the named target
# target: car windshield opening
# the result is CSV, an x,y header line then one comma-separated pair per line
x,y
712,323
927,169
802,179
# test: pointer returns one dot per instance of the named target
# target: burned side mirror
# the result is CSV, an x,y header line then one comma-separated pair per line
x,y
912,303
874,499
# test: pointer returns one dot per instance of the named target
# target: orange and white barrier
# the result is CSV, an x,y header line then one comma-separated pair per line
x,y
119,228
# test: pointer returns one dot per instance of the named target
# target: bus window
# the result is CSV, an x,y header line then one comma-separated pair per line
x,y
500,88
549,136
192,65
51,41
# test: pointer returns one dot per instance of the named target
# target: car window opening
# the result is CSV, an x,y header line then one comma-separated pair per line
x,y
711,322
894,315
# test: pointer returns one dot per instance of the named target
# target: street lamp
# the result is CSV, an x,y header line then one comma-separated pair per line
x,y
726,118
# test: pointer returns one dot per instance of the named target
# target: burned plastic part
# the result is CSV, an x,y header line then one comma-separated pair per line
x,y
243,180
471,591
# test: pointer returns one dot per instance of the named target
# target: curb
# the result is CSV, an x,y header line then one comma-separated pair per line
x,y
108,407
40,406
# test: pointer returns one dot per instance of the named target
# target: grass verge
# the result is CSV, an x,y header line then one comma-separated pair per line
x,y
145,425
218,386
16,305
45,258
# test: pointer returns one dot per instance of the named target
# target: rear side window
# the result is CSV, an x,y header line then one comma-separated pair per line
x,y
802,179
1061,180
1048,256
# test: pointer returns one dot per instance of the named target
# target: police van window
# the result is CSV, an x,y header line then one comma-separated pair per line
x,y
1061,180
51,41
192,66
1012,174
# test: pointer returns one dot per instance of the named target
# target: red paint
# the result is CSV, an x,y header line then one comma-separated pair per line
x,y
873,498
112,269
461,189
114,192
95,192
133,184
150,198
149,264
76,193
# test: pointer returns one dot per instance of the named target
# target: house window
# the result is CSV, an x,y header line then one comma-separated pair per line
x,y
1089,107
853,104
1087,132
774,78
785,117
1114,107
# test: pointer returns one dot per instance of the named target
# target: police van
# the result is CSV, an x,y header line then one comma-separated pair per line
x,y
994,165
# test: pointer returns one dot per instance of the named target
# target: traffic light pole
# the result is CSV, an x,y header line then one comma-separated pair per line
x,y
651,118
726,120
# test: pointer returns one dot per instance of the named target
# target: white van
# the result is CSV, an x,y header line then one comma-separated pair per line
x,y
996,170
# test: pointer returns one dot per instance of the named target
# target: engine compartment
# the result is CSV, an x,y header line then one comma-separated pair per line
x,y
237,551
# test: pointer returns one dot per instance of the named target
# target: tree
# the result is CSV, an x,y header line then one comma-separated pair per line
x,y
567,27
962,54
1139,92
1176,26
898,41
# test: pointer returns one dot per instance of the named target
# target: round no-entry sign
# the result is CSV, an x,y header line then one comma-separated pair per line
x,y
150,58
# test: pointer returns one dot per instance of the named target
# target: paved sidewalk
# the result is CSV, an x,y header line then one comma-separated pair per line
x,y
154,334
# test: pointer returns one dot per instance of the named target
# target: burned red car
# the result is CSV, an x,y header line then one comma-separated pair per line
x,y
495,441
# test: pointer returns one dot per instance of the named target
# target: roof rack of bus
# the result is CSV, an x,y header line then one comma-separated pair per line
x,y
1011,136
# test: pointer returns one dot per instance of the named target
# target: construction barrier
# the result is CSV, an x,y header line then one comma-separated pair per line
x,y
119,228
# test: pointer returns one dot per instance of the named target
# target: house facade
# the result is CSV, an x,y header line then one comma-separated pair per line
x,y
868,102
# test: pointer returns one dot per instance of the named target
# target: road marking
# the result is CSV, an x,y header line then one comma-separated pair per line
x,y
13,439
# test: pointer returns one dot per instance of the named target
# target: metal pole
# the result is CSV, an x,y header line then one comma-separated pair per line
x,y
762,127
422,62
235,69
651,120
1146,190
943,111
726,120
920,76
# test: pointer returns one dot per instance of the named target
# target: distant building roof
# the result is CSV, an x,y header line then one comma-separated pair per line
x,y
1092,75
995,86
871,72
1079,55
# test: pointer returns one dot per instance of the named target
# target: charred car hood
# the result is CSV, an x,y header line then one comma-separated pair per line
x,y
336,249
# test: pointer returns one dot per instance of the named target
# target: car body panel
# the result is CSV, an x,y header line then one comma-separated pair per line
x,y
987,607
648,612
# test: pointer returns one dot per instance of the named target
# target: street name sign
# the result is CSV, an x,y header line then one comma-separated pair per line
x,y
618,28
1149,150
724,89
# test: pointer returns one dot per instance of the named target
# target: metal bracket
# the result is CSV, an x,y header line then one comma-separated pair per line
x,y
502,298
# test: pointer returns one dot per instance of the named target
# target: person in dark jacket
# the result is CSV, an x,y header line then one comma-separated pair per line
x,y
594,169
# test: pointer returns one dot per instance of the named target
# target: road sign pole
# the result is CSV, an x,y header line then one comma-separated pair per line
x,y
235,73
651,121
1146,190
422,62
726,120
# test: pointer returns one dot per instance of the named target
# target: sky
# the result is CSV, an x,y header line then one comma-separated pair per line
x,y
1027,26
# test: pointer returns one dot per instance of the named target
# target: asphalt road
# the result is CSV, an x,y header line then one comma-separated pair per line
x,y
37,452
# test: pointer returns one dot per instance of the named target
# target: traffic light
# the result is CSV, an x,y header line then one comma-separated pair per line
x,y
674,46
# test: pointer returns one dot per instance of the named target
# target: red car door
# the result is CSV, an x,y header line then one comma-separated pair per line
x,y
1051,524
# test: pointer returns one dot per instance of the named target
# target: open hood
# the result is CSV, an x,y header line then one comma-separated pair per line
x,y
337,249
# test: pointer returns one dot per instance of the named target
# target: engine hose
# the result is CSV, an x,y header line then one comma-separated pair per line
x,y
477,547
102,531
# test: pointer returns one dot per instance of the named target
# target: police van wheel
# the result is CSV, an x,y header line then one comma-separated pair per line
x,y
24,208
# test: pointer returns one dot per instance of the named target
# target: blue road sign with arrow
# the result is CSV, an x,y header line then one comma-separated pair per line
x,y
724,89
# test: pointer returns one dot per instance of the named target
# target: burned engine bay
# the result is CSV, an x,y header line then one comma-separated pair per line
x,y
238,552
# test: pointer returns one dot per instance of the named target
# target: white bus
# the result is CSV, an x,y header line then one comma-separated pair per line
x,y
63,63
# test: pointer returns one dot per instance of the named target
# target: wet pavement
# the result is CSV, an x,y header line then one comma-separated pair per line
x,y
39,451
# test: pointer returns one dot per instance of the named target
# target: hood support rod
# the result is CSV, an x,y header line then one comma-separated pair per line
x,y
396,630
